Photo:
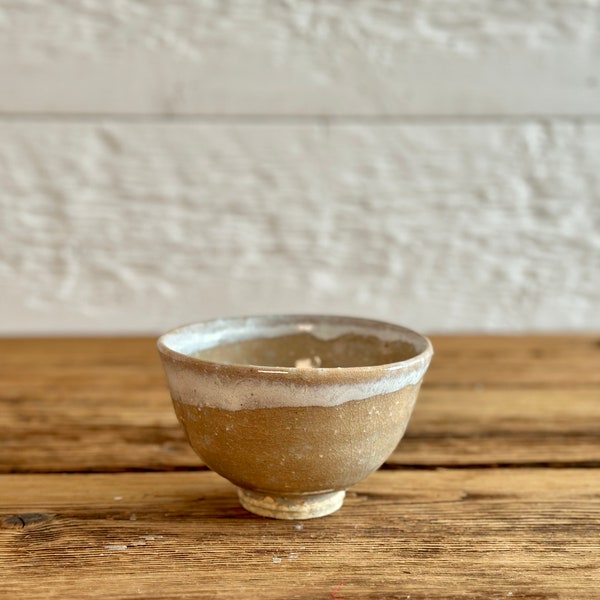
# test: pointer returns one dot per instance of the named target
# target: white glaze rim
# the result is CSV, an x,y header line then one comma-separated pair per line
x,y
239,386
195,337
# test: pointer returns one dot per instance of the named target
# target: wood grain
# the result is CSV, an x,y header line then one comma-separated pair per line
x,y
515,513
77,405
425,535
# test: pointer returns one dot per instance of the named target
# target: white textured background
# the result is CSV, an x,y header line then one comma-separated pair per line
x,y
433,162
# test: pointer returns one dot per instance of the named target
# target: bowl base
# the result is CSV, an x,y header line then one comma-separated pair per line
x,y
291,507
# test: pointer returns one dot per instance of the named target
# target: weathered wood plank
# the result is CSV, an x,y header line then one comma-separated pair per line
x,y
435,535
508,427
456,226
102,405
475,433
308,58
503,361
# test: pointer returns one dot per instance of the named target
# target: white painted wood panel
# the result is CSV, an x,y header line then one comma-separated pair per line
x,y
451,226
252,57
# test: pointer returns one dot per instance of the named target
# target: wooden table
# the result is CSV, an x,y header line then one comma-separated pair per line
x,y
493,493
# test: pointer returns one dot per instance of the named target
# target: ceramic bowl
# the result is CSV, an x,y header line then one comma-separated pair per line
x,y
294,409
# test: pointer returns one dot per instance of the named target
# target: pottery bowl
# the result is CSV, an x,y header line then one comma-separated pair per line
x,y
294,409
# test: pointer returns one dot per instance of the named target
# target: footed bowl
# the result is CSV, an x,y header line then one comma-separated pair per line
x,y
294,409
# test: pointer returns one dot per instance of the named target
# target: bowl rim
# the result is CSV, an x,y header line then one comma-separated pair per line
x,y
419,360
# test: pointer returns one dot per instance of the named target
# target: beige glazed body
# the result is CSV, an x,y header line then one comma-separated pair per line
x,y
294,409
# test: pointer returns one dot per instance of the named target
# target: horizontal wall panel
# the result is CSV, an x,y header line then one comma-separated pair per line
x,y
367,58
136,227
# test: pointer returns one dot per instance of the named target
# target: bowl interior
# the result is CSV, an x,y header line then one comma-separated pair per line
x,y
307,350
297,342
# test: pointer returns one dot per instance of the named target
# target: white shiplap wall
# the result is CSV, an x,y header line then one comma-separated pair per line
x,y
435,163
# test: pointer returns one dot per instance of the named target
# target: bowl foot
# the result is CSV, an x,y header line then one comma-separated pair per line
x,y
291,507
